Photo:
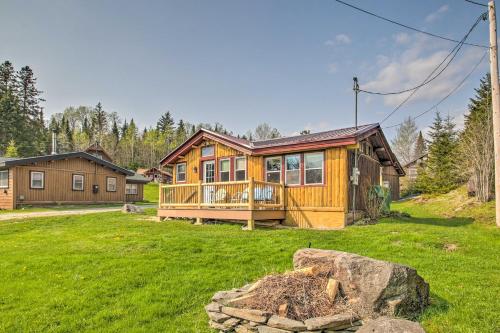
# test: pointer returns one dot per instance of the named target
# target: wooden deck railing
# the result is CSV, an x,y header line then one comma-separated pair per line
x,y
250,194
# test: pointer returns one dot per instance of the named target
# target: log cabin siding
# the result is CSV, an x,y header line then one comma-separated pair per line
x,y
58,183
7,194
391,176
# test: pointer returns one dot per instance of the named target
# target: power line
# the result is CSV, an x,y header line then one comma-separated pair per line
x,y
429,79
407,26
449,94
477,3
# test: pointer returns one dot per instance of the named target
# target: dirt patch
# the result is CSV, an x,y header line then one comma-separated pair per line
x,y
450,247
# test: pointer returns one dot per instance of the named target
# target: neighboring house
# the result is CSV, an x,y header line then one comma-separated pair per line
x,y
99,152
411,168
302,180
156,175
69,178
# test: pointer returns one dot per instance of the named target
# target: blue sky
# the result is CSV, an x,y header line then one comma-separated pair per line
x,y
289,63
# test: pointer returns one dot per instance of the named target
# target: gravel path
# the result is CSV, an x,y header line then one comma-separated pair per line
x,y
28,215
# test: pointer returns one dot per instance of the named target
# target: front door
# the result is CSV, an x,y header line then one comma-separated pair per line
x,y
208,177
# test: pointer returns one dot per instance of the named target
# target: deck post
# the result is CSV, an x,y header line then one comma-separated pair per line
x,y
282,195
251,193
199,194
199,221
160,196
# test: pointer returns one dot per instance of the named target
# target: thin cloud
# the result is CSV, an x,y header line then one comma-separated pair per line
x,y
402,38
414,64
437,14
338,40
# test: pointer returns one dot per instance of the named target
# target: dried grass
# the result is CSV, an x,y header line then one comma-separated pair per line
x,y
305,296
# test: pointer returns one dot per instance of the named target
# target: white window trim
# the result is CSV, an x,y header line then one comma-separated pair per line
x,y
107,184
8,178
177,173
322,168
220,169
73,181
280,170
130,187
235,167
286,169
31,180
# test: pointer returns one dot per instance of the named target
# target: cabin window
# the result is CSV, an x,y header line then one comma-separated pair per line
x,y
207,151
273,169
4,179
240,168
180,173
225,170
131,189
111,184
37,179
78,182
313,168
292,169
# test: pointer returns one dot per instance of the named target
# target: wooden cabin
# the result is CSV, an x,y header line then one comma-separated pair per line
x,y
69,178
156,175
302,181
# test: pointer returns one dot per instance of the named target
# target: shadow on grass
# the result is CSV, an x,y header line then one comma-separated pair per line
x,y
442,222
438,306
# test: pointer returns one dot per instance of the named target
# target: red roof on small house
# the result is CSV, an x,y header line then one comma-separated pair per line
x,y
320,140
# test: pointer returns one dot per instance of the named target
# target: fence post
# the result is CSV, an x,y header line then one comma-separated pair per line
x,y
251,203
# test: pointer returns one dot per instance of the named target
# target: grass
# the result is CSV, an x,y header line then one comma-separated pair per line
x,y
114,272
151,192
29,208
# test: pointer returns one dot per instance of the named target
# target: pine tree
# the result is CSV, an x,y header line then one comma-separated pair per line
x,y
166,123
11,150
420,146
441,173
180,134
68,132
7,77
99,122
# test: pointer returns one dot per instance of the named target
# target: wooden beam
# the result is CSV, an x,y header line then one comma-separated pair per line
x,y
382,149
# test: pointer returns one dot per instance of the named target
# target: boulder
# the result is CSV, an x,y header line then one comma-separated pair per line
x,y
134,209
391,325
375,287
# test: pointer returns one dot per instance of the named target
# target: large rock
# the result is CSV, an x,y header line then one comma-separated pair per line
x,y
134,209
391,325
376,287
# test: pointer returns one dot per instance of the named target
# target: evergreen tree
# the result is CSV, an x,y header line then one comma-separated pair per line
x,y
403,143
99,122
180,134
11,150
87,130
68,132
115,132
124,128
441,173
166,123
420,146
7,77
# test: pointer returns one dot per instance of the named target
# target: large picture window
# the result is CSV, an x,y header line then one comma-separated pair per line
x,y
180,172
313,168
131,189
78,182
4,178
292,169
207,151
111,184
37,180
273,169
240,168
225,170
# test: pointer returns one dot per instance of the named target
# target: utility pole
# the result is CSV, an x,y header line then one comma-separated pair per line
x,y
495,96
355,172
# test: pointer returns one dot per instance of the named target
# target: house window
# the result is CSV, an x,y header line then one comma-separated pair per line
x,y
225,169
240,168
37,180
273,169
313,168
292,169
4,179
131,189
207,151
181,172
111,184
78,182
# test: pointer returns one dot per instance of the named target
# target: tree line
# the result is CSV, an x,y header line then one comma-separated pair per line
x,y
452,157
26,133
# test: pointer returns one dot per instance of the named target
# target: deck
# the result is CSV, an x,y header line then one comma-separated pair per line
x,y
249,200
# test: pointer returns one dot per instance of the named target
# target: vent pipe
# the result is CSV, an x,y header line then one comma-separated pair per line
x,y
54,143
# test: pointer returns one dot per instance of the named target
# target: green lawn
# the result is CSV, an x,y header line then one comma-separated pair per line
x,y
116,272
151,192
